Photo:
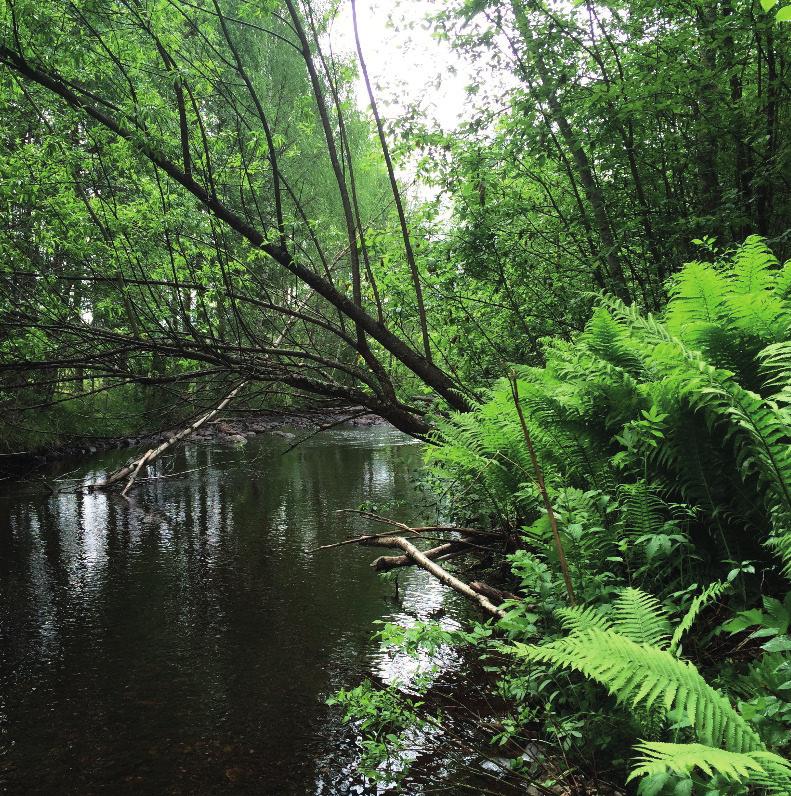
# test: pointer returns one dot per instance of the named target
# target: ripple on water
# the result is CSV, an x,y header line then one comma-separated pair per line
x,y
185,641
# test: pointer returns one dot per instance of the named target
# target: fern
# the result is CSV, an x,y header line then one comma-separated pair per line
x,y
639,617
577,618
651,677
758,430
761,768
609,341
698,304
643,512
711,592
730,310
775,362
633,416
754,266
672,406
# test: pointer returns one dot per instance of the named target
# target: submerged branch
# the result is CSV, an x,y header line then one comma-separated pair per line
x,y
442,575
134,467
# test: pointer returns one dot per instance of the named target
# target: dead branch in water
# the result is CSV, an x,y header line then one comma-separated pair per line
x,y
479,593
443,551
493,594
442,575
133,468
354,540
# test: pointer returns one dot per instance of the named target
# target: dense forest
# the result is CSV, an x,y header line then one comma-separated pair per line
x,y
579,298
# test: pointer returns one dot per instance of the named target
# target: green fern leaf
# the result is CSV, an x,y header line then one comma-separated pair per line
x,y
640,617
762,768
711,592
578,618
776,364
651,677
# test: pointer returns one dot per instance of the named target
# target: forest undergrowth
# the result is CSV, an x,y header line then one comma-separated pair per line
x,y
665,664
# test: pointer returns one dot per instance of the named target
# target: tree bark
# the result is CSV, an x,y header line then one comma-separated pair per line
x,y
134,467
442,575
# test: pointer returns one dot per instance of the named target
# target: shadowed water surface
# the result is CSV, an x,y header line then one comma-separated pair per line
x,y
184,642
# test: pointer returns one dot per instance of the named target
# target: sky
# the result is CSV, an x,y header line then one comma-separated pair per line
x,y
404,64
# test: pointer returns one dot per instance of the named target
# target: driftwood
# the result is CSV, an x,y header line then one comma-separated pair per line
x,y
493,594
480,593
442,575
443,551
133,468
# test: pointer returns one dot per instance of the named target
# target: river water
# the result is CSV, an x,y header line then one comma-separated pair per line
x,y
184,642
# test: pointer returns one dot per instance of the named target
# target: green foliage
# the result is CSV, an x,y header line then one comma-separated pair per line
x,y
661,467
577,618
664,442
661,415
763,769
639,616
647,676
384,717
774,620
710,593
631,657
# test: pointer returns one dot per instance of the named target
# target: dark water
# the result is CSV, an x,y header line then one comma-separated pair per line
x,y
185,642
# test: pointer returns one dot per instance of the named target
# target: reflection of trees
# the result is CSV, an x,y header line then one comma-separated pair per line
x,y
196,610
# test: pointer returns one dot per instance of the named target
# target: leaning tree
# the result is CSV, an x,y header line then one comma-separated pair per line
x,y
192,183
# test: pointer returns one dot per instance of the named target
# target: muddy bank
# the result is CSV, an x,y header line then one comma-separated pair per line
x,y
233,429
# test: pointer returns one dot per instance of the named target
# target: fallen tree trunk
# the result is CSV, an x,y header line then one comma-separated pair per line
x,y
133,468
493,594
443,576
386,563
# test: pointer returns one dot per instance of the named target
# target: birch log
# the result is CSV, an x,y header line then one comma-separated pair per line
x,y
442,575
133,468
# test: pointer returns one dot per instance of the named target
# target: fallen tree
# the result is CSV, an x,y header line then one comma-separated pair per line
x,y
442,575
483,595
133,468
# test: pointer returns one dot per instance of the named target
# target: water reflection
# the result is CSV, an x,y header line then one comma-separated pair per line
x,y
184,642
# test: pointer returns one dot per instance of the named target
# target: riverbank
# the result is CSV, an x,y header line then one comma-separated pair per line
x,y
234,429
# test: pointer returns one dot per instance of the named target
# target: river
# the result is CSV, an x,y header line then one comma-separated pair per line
x,y
184,642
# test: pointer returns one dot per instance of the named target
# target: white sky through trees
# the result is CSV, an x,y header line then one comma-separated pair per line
x,y
405,62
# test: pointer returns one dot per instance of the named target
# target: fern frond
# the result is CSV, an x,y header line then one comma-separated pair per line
x,y
642,510
577,618
711,592
776,776
697,299
609,341
782,285
760,433
759,430
762,768
754,266
651,677
775,362
640,617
